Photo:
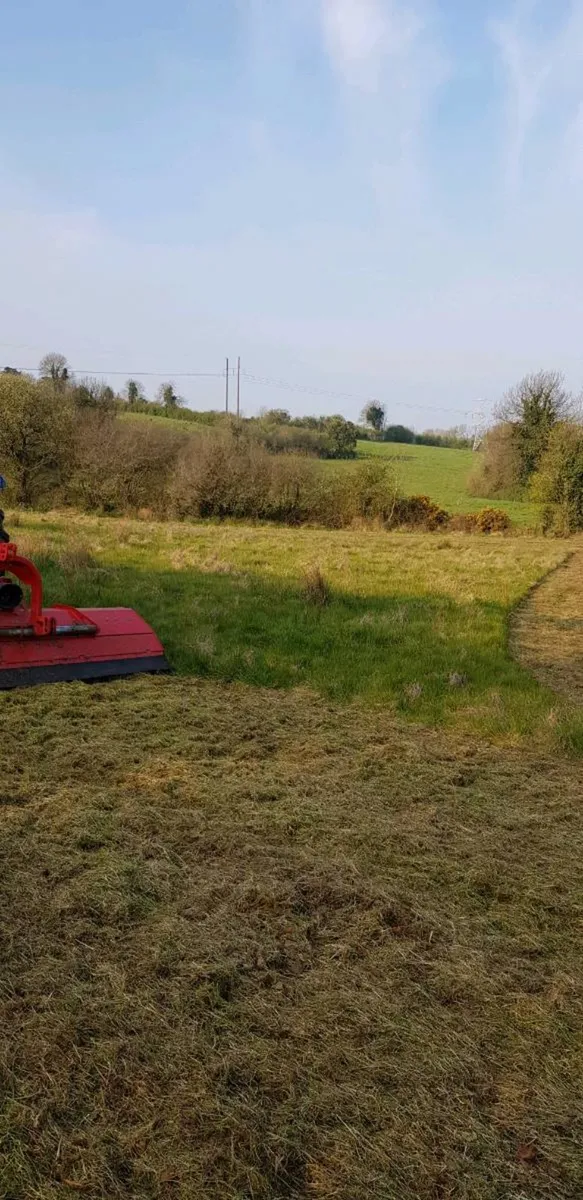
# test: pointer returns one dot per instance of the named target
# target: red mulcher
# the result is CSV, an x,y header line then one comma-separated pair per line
x,y
52,645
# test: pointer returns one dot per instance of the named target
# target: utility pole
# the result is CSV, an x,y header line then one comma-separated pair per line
x,y
479,425
227,388
239,386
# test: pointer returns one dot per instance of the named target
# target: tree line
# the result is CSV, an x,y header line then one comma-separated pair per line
x,y
329,437
326,436
377,426
56,452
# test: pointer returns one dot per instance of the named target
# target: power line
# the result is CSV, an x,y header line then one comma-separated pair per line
x,y
254,380
283,385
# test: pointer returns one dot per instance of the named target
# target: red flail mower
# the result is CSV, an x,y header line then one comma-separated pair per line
x,y
52,645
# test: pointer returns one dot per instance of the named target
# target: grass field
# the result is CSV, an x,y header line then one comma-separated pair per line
x,y
407,612
443,475
265,934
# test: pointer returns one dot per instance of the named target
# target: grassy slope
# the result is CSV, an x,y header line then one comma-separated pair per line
x,y
168,422
443,475
257,947
407,611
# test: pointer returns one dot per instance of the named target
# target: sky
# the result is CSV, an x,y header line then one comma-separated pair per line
x,y
361,198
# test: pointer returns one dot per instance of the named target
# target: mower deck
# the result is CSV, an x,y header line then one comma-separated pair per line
x,y
99,643
52,645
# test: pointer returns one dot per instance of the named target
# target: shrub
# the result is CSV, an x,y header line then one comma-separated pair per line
x,y
340,437
463,523
398,433
457,438
559,481
122,466
287,439
420,512
492,520
328,437
228,475
225,475
36,438
498,473
368,492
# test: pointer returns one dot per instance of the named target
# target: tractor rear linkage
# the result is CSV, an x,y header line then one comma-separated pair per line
x,y
37,624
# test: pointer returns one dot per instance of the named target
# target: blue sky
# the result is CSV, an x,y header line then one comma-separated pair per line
x,y
363,197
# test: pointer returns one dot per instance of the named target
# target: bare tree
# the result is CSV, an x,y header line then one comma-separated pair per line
x,y
541,392
54,366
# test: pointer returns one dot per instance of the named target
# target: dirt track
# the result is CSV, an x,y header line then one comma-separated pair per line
x,y
547,631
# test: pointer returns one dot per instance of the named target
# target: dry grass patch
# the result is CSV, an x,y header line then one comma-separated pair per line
x,y
258,946
76,558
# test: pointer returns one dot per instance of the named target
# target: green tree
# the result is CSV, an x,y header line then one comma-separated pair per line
x,y
559,481
341,436
134,391
36,437
168,397
533,407
56,368
375,415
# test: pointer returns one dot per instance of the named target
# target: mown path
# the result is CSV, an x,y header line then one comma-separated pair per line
x,y
547,631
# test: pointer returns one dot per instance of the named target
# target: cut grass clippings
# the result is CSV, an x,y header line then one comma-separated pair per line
x,y
257,946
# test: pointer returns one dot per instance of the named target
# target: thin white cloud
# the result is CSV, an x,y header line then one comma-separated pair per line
x,y
387,53
573,146
360,35
543,74
387,61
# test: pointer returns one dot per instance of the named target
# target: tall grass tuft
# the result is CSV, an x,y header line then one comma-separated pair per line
x,y
315,589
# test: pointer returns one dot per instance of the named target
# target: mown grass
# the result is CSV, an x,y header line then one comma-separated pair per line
x,y
256,946
443,475
417,624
